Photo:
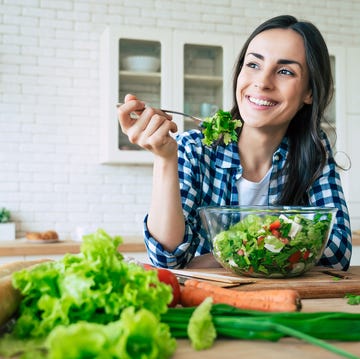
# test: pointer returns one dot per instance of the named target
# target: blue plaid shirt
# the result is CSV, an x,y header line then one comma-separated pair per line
x,y
208,176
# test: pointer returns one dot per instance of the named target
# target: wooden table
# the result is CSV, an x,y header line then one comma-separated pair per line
x,y
284,349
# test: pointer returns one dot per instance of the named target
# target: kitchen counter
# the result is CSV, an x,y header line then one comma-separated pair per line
x,y
23,247
356,238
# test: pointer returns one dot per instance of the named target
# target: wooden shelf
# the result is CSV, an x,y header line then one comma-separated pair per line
x,y
141,77
203,80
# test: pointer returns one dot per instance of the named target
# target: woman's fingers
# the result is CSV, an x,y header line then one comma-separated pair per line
x,y
150,122
130,97
150,128
157,132
125,110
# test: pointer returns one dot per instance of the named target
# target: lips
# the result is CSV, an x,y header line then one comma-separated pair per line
x,y
261,102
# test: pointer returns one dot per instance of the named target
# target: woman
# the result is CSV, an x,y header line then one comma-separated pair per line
x,y
282,85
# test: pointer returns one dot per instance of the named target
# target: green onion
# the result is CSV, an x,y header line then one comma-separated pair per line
x,y
313,328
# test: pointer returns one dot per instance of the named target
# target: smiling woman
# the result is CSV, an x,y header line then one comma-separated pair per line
x,y
282,85
273,85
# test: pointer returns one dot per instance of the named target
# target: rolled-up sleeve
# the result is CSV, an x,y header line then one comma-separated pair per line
x,y
327,191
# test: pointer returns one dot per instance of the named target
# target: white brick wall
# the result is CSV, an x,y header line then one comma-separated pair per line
x,y
49,109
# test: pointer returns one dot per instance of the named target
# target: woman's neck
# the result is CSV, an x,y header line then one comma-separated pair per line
x,y
256,150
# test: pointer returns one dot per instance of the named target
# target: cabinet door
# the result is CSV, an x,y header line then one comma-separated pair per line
x,y
123,69
202,80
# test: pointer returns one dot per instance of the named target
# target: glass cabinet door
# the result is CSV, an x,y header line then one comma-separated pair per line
x,y
203,81
140,74
203,77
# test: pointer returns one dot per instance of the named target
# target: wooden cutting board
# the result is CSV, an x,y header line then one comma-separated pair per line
x,y
320,282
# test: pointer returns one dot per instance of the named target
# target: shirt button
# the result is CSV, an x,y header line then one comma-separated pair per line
x,y
276,158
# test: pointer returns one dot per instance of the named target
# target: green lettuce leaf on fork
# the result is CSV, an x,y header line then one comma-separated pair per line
x,y
220,127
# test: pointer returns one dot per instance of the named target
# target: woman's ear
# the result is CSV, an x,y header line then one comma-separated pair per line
x,y
308,99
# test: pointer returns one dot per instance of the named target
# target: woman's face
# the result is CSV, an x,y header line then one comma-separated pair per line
x,y
273,83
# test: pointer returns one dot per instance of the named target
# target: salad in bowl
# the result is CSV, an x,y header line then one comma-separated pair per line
x,y
262,241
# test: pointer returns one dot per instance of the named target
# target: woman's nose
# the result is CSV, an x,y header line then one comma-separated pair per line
x,y
263,80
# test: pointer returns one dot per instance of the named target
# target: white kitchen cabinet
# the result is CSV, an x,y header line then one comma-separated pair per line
x,y
194,69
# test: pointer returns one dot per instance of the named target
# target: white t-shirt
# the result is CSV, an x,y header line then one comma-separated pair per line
x,y
254,193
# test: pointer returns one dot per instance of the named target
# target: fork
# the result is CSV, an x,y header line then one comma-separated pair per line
x,y
194,118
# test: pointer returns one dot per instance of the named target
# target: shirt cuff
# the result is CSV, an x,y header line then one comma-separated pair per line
x,y
160,257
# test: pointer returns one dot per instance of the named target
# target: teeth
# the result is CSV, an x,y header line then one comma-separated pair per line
x,y
259,102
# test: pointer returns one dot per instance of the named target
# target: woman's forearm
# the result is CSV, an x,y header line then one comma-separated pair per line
x,y
166,221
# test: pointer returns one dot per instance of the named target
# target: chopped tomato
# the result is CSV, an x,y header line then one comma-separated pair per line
x,y
169,278
260,239
306,254
295,257
275,225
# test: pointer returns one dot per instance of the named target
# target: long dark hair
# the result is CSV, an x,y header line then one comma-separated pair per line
x,y
307,154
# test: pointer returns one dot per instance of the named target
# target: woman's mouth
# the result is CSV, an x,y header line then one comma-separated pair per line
x,y
261,102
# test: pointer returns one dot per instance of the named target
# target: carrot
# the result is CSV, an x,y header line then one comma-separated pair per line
x,y
269,300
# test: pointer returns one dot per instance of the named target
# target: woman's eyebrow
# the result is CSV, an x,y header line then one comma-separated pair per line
x,y
280,61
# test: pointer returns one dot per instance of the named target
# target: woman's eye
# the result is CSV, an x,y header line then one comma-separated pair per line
x,y
252,65
286,72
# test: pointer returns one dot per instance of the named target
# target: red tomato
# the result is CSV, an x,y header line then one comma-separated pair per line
x,y
260,240
295,257
169,278
275,225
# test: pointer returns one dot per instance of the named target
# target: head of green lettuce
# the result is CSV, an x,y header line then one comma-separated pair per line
x,y
91,301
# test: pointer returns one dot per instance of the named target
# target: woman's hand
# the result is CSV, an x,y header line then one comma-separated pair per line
x,y
151,130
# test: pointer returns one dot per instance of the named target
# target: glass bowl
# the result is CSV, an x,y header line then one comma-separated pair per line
x,y
268,242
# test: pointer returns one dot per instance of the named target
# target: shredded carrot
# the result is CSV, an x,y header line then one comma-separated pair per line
x,y
270,300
